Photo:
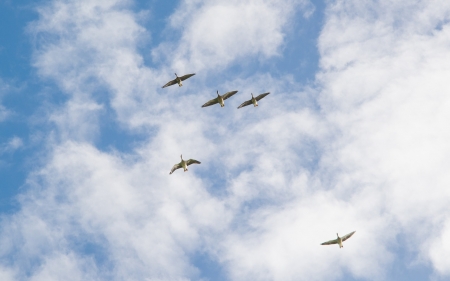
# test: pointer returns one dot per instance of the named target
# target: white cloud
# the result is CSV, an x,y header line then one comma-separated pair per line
x,y
6,274
385,89
383,154
284,243
439,248
144,224
13,144
65,267
288,177
217,33
77,120
4,87
89,49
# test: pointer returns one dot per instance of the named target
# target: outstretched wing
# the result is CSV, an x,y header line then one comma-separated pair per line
x,y
261,96
176,166
184,77
211,102
170,83
192,161
329,242
345,237
229,94
245,103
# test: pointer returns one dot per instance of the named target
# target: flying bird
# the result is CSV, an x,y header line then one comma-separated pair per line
x,y
183,164
220,99
254,100
178,80
339,240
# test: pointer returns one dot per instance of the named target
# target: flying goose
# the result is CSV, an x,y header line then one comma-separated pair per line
x,y
178,80
183,164
253,100
339,240
220,99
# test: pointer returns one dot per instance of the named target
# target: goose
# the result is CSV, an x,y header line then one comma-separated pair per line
x,y
254,100
178,80
339,240
220,99
183,164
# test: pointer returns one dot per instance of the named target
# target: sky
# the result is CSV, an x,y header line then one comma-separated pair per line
x,y
354,136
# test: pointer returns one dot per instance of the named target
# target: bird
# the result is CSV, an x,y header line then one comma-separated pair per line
x,y
339,240
178,80
183,164
220,99
254,100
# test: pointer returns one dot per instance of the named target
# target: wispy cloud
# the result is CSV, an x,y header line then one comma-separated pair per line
x,y
215,34
13,144
385,89
365,150
4,88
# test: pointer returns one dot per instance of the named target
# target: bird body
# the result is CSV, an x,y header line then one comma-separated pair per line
x,y
220,99
178,80
339,240
183,164
253,100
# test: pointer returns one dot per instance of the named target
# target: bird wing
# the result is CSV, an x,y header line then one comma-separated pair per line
x,y
261,96
170,83
229,94
345,237
192,161
184,77
245,103
211,102
330,242
176,166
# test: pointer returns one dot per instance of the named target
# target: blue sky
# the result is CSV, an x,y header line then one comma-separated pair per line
x,y
354,136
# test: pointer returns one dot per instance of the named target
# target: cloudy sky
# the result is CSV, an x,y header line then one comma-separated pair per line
x,y
355,135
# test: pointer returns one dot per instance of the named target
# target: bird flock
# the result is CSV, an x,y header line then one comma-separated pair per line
x,y
220,99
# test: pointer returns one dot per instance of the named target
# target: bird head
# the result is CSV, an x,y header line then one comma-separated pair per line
x,y
181,156
252,95
337,235
218,92
176,75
